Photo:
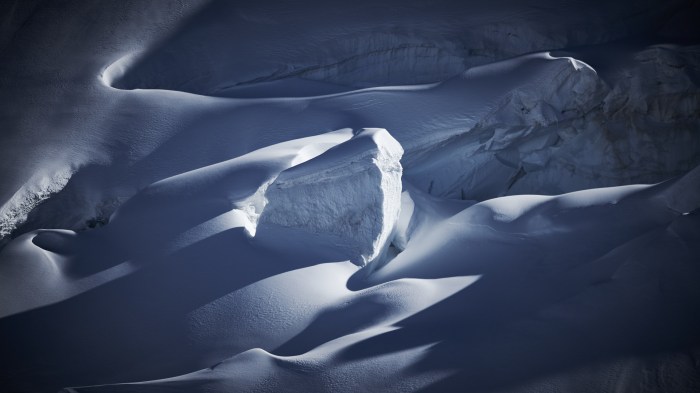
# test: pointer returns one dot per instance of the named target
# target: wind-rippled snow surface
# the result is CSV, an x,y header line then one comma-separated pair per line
x,y
369,196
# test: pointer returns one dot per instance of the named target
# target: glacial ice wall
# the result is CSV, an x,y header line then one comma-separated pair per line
x,y
574,125
349,196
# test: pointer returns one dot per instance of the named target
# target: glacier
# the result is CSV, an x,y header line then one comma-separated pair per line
x,y
372,196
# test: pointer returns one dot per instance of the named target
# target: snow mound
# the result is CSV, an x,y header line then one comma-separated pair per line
x,y
350,195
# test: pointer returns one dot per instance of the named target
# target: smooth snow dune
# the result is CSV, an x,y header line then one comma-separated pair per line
x,y
310,361
553,302
550,232
45,266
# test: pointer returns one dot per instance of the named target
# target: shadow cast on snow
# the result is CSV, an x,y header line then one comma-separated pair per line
x,y
135,327
509,327
513,326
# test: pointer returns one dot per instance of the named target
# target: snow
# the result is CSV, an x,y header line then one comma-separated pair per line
x,y
349,194
495,130
381,196
192,205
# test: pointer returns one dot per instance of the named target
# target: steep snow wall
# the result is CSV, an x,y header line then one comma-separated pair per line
x,y
350,196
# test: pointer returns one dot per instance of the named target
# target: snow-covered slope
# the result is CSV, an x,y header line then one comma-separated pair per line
x,y
370,43
164,217
543,285
381,196
494,130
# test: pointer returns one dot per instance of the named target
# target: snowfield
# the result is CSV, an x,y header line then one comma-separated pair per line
x,y
368,196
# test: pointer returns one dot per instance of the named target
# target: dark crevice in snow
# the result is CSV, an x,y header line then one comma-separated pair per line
x,y
401,55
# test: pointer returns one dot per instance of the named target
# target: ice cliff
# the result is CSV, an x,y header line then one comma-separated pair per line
x,y
349,196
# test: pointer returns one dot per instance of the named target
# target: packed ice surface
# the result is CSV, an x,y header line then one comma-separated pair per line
x,y
187,190
349,196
